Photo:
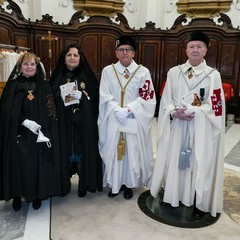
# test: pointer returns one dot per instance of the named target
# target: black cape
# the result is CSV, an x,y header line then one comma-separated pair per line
x,y
29,169
80,128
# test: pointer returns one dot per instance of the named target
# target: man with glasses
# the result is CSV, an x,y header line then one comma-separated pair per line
x,y
126,109
190,158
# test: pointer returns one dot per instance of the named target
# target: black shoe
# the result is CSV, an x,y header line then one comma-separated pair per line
x,y
36,204
63,194
17,204
197,213
165,204
82,193
128,193
123,187
73,169
112,195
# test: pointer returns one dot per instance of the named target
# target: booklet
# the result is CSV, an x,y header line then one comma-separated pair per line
x,y
66,89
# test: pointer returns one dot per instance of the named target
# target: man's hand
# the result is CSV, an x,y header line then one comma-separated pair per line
x,y
184,114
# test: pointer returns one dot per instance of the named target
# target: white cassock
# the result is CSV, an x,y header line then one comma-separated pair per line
x,y
135,168
204,135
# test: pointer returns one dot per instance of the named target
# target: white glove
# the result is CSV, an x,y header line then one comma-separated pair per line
x,y
76,94
122,115
117,108
42,138
31,125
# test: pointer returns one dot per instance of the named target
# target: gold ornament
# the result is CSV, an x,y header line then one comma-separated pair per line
x,y
30,96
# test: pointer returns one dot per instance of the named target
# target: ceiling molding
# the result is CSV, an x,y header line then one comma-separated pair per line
x,y
108,8
203,8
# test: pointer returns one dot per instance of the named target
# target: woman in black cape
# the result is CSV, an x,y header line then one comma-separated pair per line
x,y
78,122
30,165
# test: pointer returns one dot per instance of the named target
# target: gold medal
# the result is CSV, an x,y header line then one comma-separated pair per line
x,y
190,73
126,75
82,85
30,96
196,101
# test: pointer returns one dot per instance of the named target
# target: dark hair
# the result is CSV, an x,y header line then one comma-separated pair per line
x,y
83,68
61,65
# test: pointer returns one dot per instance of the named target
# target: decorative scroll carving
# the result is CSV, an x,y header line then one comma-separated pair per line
x,y
158,49
108,8
15,9
63,3
203,8
237,4
131,5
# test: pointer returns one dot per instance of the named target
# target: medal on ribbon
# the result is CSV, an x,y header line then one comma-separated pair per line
x,y
30,95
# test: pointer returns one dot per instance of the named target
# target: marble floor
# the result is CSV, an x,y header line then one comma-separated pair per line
x,y
98,217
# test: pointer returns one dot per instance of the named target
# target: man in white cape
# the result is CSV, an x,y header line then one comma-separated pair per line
x,y
126,110
191,127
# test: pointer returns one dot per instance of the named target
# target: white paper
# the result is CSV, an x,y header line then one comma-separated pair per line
x,y
131,126
66,89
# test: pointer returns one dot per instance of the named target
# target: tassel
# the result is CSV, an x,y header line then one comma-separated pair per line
x,y
184,160
122,142
188,153
119,151
121,147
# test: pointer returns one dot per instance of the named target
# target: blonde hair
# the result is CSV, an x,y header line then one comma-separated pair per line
x,y
27,55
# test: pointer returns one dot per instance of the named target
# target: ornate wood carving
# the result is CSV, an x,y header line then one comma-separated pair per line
x,y
108,8
157,49
203,8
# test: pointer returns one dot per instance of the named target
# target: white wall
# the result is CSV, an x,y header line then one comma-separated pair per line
x,y
161,12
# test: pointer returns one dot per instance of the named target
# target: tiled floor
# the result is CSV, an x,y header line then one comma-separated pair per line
x,y
98,217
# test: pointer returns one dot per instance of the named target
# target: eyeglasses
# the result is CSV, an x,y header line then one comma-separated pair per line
x,y
124,49
27,64
197,47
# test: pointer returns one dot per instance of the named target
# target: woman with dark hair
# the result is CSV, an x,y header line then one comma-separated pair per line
x,y
75,89
29,144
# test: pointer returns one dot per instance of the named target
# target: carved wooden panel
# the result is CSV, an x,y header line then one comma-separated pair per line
x,y
227,56
67,41
46,54
212,56
90,46
21,40
4,36
148,55
171,56
158,50
107,50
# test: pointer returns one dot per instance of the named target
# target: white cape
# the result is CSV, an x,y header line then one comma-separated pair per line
x,y
204,134
135,168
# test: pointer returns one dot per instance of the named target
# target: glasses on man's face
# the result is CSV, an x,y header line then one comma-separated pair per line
x,y
121,50
196,47
29,64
